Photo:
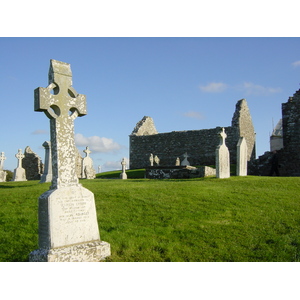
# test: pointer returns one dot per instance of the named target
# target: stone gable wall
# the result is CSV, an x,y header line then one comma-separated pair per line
x,y
200,145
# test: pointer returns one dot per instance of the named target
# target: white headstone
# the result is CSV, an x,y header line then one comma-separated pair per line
x,y
88,171
47,175
2,172
19,172
185,161
241,160
123,175
222,157
68,226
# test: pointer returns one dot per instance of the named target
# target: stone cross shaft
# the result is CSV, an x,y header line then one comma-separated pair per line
x,y
2,159
61,104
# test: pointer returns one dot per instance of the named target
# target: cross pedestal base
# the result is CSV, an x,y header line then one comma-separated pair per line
x,y
86,252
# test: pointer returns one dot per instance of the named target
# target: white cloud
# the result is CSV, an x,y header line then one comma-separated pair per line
x,y
194,115
296,63
256,89
213,87
96,143
111,166
114,165
40,131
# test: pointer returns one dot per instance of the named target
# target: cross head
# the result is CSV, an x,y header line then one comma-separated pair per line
x,y
61,104
223,136
87,151
20,156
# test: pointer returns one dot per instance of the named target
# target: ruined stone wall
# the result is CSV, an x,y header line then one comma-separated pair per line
x,y
289,155
32,164
200,145
242,122
291,136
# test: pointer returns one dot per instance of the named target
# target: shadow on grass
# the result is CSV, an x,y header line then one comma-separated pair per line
x,y
4,186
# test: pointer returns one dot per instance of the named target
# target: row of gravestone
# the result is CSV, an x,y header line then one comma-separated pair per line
x,y
155,159
19,172
86,165
222,158
87,169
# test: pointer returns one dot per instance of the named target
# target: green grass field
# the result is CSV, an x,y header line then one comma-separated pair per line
x,y
196,220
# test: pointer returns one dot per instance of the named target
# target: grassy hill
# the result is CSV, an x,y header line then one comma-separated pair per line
x,y
206,219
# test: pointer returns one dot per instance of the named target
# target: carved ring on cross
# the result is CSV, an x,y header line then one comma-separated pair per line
x,y
54,111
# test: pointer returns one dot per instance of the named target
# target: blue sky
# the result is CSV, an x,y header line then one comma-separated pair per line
x,y
182,83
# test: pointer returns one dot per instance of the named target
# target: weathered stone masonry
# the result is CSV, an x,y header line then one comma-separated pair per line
x,y
289,155
199,144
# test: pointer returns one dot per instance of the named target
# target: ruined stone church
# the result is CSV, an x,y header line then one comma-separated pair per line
x,y
200,145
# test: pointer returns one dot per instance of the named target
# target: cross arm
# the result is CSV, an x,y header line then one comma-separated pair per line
x,y
43,100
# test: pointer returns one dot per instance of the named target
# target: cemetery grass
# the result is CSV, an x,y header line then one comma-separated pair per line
x,y
239,219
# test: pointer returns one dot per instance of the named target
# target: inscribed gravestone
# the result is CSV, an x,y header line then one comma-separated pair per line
x,y
47,175
241,163
88,171
68,227
222,157
2,172
123,175
19,172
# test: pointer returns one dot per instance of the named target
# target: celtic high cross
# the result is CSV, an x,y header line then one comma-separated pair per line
x,y
61,104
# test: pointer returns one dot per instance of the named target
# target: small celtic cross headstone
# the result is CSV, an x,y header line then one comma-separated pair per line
x,y
185,161
20,156
19,172
2,173
2,159
123,175
87,171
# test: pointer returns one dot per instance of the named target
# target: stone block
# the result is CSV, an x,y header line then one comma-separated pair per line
x,y
86,252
